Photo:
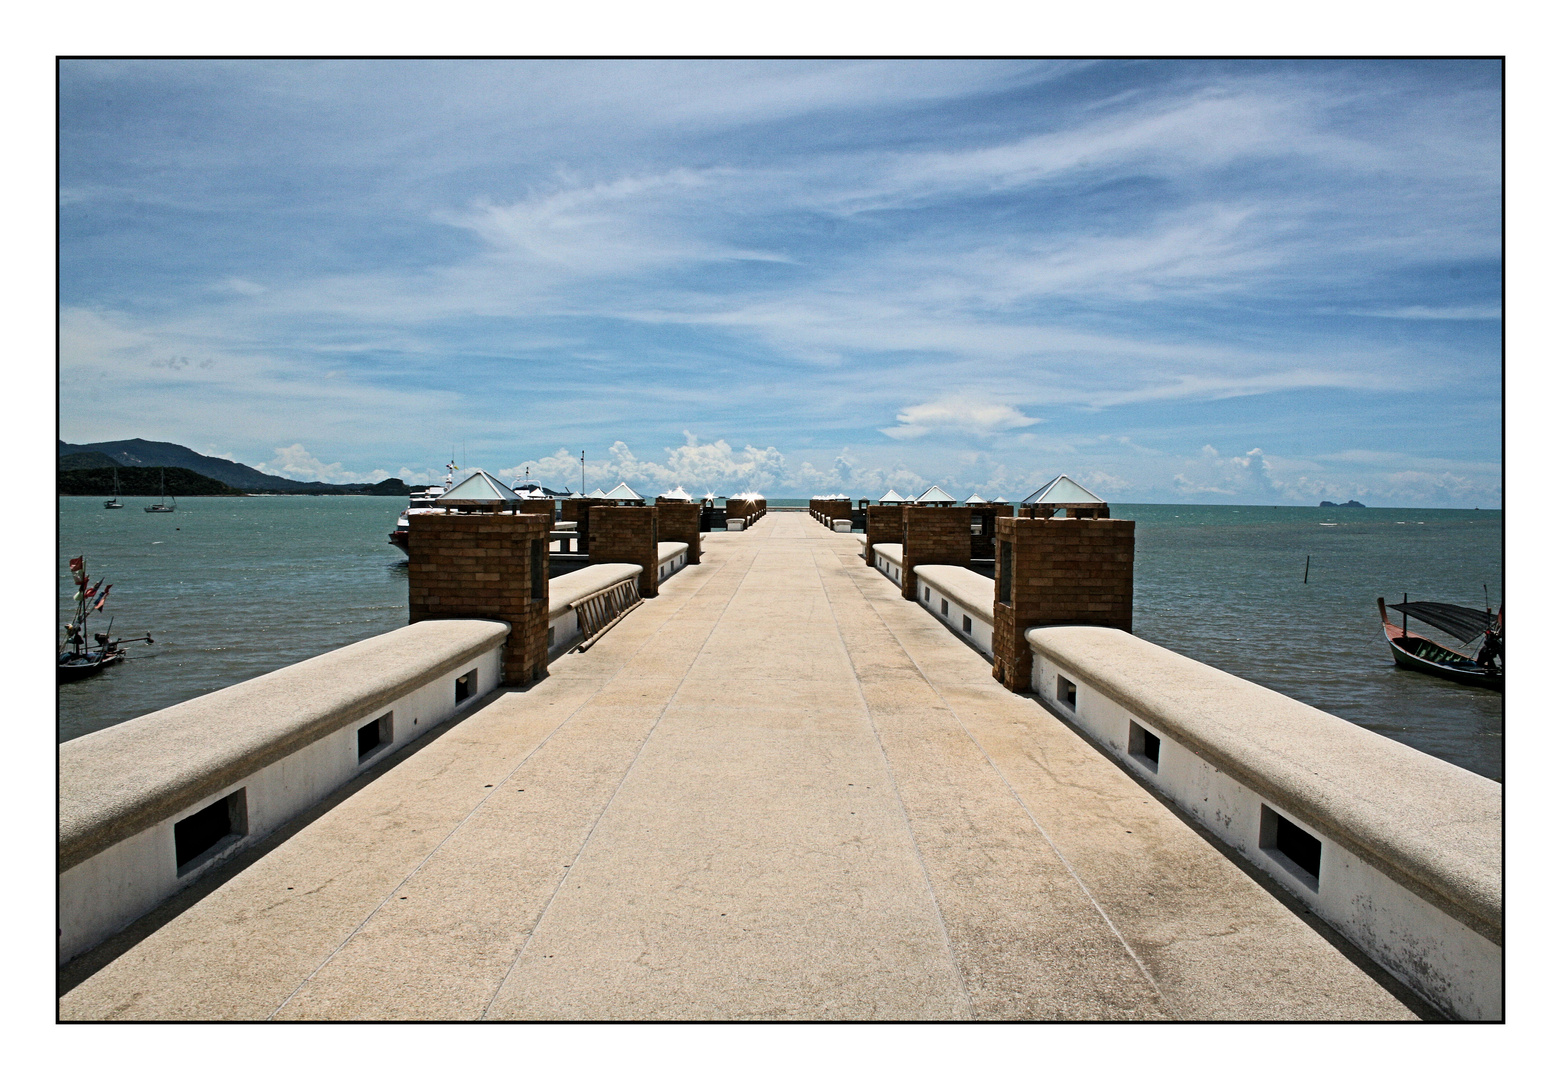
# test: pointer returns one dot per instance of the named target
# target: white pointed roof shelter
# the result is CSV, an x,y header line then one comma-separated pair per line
x,y
975,500
624,493
891,496
1066,494
597,494
935,496
678,494
479,491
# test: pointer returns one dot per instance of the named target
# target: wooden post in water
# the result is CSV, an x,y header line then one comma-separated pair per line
x,y
1308,571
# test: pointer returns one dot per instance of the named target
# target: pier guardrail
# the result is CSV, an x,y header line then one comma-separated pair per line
x,y
150,805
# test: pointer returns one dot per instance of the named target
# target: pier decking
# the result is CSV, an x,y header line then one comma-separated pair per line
x,y
777,791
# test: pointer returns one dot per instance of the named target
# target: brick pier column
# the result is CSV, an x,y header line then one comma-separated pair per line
x,y
1057,571
678,523
983,544
626,534
885,525
934,534
485,566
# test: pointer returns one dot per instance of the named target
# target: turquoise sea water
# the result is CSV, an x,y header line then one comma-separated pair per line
x,y
233,588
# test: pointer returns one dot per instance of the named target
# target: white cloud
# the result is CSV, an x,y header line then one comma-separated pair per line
x,y
1423,312
957,415
296,463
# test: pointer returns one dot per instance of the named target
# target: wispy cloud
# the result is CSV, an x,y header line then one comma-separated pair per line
x,y
916,261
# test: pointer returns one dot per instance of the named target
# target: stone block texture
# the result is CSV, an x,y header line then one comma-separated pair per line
x,y
485,566
678,523
1057,571
626,534
831,509
885,525
934,534
579,511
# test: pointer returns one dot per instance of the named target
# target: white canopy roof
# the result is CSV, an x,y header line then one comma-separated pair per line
x,y
892,496
478,489
1063,491
623,491
597,494
934,494
678,493
975,500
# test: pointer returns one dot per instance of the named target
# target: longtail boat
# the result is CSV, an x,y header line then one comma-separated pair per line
x,y
1417,652
79,659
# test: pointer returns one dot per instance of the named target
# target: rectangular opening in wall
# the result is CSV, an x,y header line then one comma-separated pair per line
x,y
465,686
1143,746
207,833
1067,693
550,632
373,735
1005,572
538,570
945,607
967,624
926,594
1291,846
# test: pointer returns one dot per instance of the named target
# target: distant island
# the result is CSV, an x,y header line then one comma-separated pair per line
x,y
1352,502
88,469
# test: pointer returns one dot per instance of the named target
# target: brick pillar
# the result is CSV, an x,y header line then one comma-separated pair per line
x,y
484,566
885,525
1057,572
626,534
983,543
739,508
678,522
934,534
834,508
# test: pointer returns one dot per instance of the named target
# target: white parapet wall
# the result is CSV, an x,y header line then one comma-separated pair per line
x,y
1397,850
961,599
842,525
671,556
566,591
889,560
149,806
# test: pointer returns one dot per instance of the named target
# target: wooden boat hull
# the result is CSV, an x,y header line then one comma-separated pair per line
x,y
89,664
1415,652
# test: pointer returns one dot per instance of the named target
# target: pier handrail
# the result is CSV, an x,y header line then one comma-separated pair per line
x,y
1431,826
116,782
567,590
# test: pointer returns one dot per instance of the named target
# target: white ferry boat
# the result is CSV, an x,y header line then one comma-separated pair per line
x,y
422,502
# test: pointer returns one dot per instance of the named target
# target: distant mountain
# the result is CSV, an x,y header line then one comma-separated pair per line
x,y
90,460
141,453
1352,502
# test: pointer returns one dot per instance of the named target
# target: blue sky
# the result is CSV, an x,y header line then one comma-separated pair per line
x,y
1177,281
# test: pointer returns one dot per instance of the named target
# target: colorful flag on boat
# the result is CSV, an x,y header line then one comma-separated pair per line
x,y
102,599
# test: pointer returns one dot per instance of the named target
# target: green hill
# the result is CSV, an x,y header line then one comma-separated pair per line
x,y
140,483
232,474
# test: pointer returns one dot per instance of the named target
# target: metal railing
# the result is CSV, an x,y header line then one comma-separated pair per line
x,y
598,612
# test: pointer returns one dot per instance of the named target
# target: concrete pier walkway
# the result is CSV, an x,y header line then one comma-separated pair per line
x,y
777,791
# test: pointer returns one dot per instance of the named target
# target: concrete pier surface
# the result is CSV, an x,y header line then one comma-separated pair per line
x,y
776,791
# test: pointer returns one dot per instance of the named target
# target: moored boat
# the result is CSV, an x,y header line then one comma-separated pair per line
x,y
114,503
421,502
161,506
1416,652
79,659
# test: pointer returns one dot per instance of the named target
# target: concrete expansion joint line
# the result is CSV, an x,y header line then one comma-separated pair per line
x,y
1143,970
894,783
638,751
497,788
